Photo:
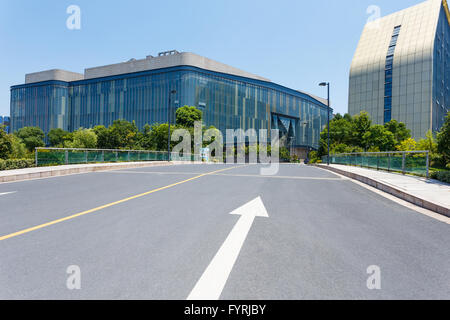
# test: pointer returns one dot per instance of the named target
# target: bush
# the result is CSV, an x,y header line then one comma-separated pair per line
x,y
443,176
11,164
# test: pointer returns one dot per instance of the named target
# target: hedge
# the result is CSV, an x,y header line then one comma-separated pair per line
x,y
16,164
443,176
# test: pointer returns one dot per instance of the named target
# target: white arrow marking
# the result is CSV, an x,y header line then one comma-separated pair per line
x,y
5,193
213,280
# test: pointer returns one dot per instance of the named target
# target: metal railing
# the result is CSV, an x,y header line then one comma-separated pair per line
x,y
61,156
412,162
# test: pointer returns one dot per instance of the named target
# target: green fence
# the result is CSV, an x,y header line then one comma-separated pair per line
x,y
413,162
60,156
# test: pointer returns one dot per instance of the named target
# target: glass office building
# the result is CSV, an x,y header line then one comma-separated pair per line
x,y
401,68
138,90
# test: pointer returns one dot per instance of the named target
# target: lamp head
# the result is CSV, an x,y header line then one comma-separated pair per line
x,y
323,84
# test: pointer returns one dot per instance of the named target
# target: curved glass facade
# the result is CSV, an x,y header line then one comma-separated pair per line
x,y
227,102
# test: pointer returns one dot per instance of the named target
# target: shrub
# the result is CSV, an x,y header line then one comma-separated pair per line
x,y
11,164
443,176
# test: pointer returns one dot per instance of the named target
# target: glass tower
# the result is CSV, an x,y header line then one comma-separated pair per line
x,y
228,101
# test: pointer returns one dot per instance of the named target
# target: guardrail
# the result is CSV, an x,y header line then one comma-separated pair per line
x,y
61,156
413,162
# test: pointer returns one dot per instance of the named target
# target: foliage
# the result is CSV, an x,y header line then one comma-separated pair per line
x,y
443,140
103,137
399,129
407,145
313,157
377,137
6,146
83,139
443,176
32,137
123,134
11,164
19,150
186,116
428,144
285,155
361,124
57,137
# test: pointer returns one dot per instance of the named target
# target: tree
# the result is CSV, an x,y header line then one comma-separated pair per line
x,y
32,137
360,126
84,139
443,140
399,130
157,137
57,137
123,134
186,116
377,137
427,144
103,137
19,150
145,138
6,147
340,134
407,145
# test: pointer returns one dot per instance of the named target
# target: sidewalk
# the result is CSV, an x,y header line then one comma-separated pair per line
x,y
429,194
45,172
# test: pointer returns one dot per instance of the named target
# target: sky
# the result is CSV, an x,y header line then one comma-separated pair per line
x,y
295,43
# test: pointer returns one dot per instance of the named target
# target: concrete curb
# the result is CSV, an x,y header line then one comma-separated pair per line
x,y
61,171
391,190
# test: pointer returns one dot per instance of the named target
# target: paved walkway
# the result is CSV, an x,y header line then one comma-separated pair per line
x,y
429,190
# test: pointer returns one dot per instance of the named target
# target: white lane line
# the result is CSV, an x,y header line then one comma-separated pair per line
x,y
5,193
213,280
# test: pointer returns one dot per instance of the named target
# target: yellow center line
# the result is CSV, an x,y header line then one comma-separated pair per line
x,y
44,225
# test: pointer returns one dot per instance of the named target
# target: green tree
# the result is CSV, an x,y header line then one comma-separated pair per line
x,y
6,147
57,137
84,139
427,144
145,138
377,137
32,137
399,130
19,150
443,140
104,140
186,116
123,134
157,137
340,134
407,145
360,126
285,155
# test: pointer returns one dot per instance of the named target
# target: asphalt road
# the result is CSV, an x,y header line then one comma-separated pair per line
x,y
154,231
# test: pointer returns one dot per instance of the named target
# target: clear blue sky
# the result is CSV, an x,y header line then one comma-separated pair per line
x,y
295,43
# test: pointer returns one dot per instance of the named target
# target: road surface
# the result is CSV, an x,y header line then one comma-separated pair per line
x,y
215,231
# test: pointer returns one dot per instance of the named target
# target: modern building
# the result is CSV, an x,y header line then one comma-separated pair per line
x,y
4,121
139,90
401,68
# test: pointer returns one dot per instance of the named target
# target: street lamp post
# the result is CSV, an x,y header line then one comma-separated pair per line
x,y
168,121
327,84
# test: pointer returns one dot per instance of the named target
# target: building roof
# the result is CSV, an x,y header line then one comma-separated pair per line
x,y
166,59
